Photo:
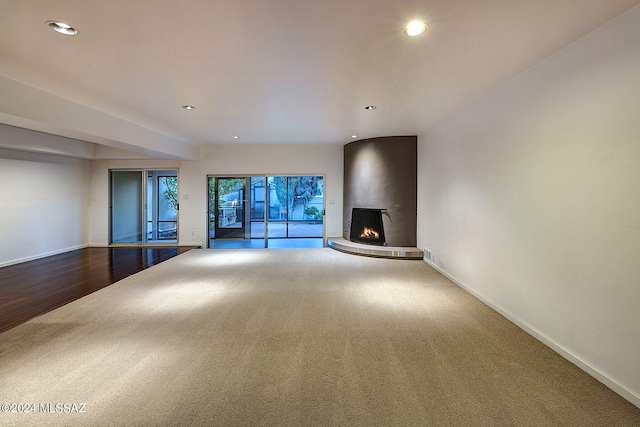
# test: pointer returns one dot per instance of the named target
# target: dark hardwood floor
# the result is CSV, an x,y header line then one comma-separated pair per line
x,y
32,288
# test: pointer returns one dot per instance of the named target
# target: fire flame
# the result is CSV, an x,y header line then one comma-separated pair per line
x,y
369,233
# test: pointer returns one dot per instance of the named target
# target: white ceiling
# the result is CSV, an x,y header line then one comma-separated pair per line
x,y
269,71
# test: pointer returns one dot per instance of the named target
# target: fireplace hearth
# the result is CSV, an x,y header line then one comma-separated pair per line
x,y
367,226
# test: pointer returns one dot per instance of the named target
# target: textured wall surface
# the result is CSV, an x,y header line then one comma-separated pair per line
x,y
382,173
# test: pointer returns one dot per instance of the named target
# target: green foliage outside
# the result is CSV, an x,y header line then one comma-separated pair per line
x,y
314,212
287,190
171,192
226,186
292,187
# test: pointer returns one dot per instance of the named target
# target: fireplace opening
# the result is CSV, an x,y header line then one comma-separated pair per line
x,y
367,227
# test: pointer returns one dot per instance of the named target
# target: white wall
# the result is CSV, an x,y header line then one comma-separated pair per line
x,y
43,208
224,160
530,198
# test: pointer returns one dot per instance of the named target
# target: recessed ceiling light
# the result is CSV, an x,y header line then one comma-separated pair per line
x,y
354,136
236,137
62,28
415,28
188,107
370,107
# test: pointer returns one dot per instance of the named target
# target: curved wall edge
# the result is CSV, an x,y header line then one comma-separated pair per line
x,y
381,173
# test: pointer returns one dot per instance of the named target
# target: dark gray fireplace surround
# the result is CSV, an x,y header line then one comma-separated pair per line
x,y
381,173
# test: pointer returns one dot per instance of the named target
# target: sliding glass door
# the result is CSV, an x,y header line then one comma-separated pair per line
x,y
144,206
266,211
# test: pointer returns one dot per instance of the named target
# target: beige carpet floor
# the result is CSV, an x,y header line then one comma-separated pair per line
x,y
290,337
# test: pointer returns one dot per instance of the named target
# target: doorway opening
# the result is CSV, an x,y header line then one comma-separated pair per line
x,y
143,207
266,211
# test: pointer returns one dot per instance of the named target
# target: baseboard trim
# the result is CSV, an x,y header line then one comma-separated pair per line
x,y
44,255
555,346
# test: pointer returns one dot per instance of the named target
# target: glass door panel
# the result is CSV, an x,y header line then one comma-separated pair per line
x,y
167,208
127,206
278,207
257,201
211,206
311,196
151,231
230,208
296,207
